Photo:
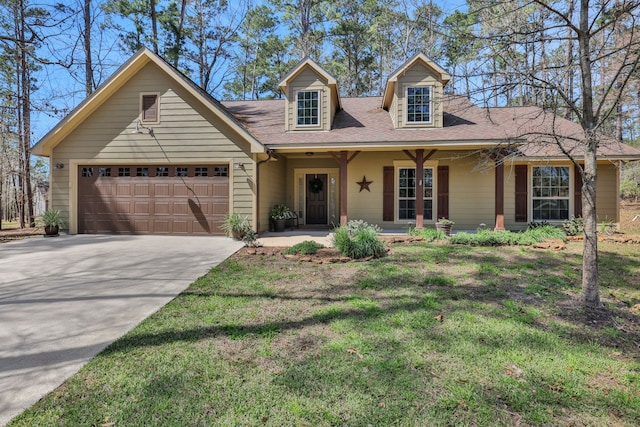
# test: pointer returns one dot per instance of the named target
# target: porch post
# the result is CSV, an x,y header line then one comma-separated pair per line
x,y
420,188
499,187
344,161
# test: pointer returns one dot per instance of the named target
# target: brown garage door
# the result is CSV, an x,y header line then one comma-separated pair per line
x,y
158,199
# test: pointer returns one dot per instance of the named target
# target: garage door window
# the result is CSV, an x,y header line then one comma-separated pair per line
x,y
142,171
182,171
124,171
202,172
104,172
87,172
221,171
162,171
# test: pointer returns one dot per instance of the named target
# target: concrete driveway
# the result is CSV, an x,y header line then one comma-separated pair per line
x,y
64,299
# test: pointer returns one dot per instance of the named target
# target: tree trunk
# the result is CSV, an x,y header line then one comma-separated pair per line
x,y
590,288
88,66
154,25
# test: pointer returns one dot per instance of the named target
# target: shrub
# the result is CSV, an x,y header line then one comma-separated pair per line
x,y
504,238
250,238
308,247
428,234
573,226
358,240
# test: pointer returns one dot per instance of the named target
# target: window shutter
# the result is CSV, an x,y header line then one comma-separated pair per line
x,y
149,108
577,193
387,193
521,193
443,192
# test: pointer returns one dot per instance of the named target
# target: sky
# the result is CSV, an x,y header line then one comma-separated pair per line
x,y
58,92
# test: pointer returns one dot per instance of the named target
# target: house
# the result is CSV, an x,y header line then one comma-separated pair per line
x,y
150,152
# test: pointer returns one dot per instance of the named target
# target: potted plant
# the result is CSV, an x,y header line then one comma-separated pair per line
x,y
52,221
235,225
279,217
445,225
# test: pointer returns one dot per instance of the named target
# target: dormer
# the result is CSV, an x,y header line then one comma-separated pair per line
x,y
312,97
413,94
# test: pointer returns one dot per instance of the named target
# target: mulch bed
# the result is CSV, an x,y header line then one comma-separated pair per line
x,y
19,233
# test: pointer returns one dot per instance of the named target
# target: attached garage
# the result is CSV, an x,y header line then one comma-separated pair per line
x,y
153,199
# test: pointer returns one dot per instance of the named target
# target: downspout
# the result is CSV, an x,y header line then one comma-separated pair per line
x,y
270,155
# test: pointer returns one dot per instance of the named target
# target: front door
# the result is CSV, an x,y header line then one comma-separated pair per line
x,y
316,199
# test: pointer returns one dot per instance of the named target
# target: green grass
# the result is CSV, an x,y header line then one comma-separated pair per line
x,y
429,335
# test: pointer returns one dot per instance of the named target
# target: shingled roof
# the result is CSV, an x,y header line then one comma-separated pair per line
x,y
363,123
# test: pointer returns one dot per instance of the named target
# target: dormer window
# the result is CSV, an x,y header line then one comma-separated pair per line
x,y
308,111
149,108
418,104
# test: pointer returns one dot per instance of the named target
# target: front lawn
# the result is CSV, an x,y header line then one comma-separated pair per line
x,y
429,335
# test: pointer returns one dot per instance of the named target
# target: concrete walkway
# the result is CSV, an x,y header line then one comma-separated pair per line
x,y
64,299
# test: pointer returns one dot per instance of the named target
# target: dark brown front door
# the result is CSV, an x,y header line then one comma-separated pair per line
x,y
316,199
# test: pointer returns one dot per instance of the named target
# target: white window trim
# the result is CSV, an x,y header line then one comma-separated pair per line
x,y
405,113
295,109
150,122
570,197
403,164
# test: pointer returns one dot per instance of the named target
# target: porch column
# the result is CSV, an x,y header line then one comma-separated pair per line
x,y
499,209
420,188
344,162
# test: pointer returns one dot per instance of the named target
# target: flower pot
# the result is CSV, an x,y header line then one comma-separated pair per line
x,y
445,228
279,224
237,234
51,231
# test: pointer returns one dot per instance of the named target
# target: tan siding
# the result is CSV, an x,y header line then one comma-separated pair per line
x,y
187,132
308,79
272,189
471,194
417,75
606,192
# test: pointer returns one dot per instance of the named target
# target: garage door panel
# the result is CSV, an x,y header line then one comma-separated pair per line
x,y
141,190
141,207
122,189
180,227
161,190
180,190
181,208
161,208
176,203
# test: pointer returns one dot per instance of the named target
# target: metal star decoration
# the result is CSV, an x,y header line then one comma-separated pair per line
x,y
364,184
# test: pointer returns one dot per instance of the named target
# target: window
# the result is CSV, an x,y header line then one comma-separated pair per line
x,y
124,171
201,172
407,193
142,171
308,108
419,104
550,193
104,172
87,172
182,171
162,171
149,110
221,171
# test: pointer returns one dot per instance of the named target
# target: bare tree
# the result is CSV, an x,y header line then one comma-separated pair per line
x,y
586,28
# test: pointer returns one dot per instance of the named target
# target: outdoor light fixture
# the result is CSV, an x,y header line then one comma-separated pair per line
x,y
309,153
59,165
239,166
